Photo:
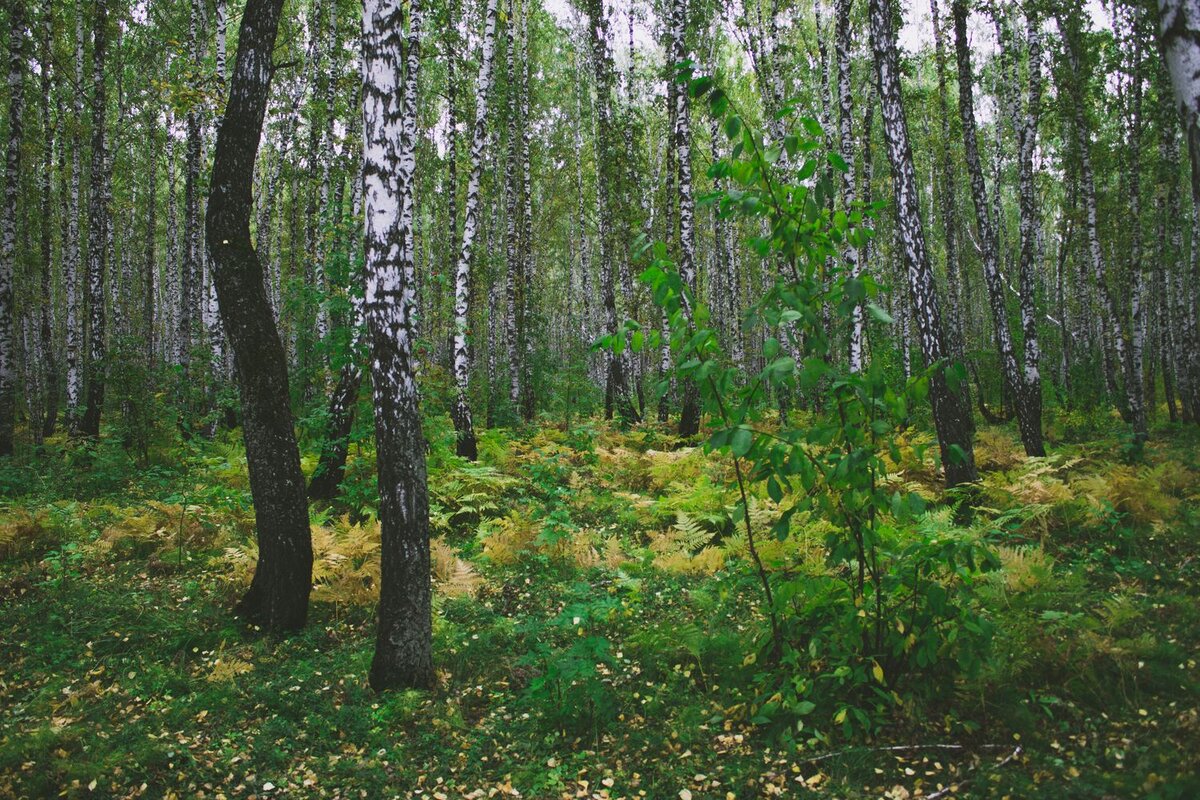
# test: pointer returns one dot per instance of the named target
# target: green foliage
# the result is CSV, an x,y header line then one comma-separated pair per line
x,y
892,603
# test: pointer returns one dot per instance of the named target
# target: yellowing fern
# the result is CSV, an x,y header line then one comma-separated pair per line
x,y
506,539
1024,568
454,576
25,534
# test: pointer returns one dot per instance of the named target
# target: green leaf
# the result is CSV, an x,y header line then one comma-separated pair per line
x,y
838,163
733,126
774,490
700,86
741,442
718,102
879,315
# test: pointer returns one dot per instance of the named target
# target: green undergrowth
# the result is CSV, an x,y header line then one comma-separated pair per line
x,y
599,631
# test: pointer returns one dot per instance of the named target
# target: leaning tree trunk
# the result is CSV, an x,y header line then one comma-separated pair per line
x,y
278,595
403,646
951,407
98,222
8,223
462,277
1031,434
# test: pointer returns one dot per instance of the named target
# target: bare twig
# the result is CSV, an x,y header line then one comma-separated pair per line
x,y
901,748
956,787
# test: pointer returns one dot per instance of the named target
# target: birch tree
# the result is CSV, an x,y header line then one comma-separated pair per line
x,y
8,221
403,645
617,390
951,410
846,146
1031,435
689,416
74,242
462,277
1179,38
98,229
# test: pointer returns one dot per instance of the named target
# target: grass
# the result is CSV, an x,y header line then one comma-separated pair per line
x,y
596,633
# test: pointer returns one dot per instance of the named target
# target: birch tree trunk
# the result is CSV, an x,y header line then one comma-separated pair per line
x,y
525,299
278,595
74,246
190,269
8,222
689,415
947,205
462,278
951,408
150,256
846,146
617,396
403,645
50,375
1135,389
1031,435
98,229
1179,38
512,215
1030,390
1112,336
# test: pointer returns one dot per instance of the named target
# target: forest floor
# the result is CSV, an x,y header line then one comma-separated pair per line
x,y
595,632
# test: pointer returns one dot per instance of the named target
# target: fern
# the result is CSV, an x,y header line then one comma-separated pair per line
x,y
454,577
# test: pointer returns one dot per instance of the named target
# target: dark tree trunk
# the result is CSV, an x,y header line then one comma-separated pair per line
x,y
278,595
951,406
332,465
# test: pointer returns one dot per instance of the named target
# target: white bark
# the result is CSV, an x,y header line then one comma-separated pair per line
x,y
72,251
846,146
462,277
8,225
